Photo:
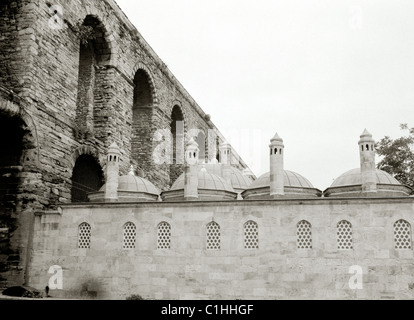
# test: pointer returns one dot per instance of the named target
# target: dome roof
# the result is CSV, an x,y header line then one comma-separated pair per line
x,y
239,181
292,179
131,183
353,177
206,181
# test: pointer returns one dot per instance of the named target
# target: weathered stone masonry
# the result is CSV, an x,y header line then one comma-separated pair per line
x,y
63,100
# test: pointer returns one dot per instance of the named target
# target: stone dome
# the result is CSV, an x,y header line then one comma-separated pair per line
x,y
239,181
353,177
292,179
211,187
206,180
295,186
130,189
349,184
132,183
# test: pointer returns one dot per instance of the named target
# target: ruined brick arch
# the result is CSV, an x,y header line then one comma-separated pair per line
x,y
10,109
140,66
94,56
109,44
178,127
178,104
202,144
87,173
178,130
143,103
86,150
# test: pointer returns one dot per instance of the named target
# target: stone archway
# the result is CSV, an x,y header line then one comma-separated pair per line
x,y
87,176
94,55
143,105
20,189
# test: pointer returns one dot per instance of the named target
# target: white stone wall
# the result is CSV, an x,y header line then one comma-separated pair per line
x,y
277,270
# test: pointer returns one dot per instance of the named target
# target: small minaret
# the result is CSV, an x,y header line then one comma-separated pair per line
x,y
112,173
277,182
225,157
191,171
367,160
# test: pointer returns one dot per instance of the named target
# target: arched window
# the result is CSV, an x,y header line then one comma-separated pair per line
x,y
251,235
304,235
178,148
177,130
12,143
87,177
91,80
213,236
201,141
142,117
84,236
344,235
164,235
402,234
129,236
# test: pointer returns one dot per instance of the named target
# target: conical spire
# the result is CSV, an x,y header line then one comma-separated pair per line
x,y
113,149
276,138
366,134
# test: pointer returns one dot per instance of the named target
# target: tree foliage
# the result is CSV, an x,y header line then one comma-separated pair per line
x,y
398,156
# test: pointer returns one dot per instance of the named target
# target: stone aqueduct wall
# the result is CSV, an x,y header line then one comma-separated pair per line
x,y
276,270
39,68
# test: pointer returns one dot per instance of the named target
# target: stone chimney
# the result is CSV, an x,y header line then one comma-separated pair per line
x,y
277,182
191,171
367,161
225,158
112,173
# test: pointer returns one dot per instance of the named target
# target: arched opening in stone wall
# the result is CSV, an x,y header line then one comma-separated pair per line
x,y
177,127
201,141
94,54
11,146
19,190
87,177
177,131
142,122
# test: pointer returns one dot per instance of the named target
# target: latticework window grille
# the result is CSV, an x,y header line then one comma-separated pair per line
x,y
251,235
164,235
84,236
402,235
213,236
130,236
304,235
344,235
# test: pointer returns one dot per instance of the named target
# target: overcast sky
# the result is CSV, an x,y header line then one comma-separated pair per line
x,y
317,72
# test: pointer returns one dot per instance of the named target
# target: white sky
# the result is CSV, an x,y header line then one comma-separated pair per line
x,y
316,71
